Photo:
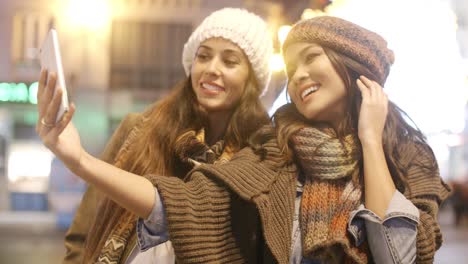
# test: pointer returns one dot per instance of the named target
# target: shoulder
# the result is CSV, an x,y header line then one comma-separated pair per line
x,y
131,119
423,173
423,155
129,122
264,143
410,152
120,135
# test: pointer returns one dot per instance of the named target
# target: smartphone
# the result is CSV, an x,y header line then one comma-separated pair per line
x,y
51,60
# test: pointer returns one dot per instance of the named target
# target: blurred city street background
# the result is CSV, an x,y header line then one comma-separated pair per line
x,y
119,56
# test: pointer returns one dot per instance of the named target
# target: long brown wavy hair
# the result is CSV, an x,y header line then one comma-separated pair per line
x,y
153,151
399,137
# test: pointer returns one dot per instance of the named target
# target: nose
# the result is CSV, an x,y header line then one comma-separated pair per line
x,y
213,67
300,75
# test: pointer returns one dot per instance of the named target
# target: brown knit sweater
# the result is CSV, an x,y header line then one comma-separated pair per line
x,y
204,213
201,215
212,215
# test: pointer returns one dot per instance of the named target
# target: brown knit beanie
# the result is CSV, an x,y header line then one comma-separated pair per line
x,y
347,38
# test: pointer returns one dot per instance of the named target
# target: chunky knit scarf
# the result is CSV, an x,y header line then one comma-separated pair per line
x,y
190,149
330,169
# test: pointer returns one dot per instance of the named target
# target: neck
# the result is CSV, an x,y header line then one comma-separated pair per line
x,y
216,129
338,120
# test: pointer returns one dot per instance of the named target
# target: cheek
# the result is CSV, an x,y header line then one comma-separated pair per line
x,y
340,88
195,76
193,80
194,72
294,100
291,92
239,79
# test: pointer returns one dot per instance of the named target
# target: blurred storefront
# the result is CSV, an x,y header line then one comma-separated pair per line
x,y
118,57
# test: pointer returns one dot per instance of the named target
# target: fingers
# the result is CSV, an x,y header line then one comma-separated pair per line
x,y
42,83
46,122
67,117
370,89
53,108
47,93
363,88
41,89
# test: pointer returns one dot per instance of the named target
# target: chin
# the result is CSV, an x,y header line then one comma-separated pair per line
x,y
213,108
308,114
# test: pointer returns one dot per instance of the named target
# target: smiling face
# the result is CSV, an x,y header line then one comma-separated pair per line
x,y
314,85
219,74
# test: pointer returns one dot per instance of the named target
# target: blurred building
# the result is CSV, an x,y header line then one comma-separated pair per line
x,y
118,57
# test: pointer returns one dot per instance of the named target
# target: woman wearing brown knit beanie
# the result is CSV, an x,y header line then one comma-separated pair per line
x,y
208,117
369,182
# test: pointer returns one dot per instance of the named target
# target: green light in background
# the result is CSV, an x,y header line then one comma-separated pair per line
x,y
18,92
4,92
30,118
33,92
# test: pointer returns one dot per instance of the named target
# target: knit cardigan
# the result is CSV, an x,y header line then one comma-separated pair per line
x,y
241,211
200,216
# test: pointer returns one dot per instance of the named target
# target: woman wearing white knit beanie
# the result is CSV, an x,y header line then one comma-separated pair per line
x,y
208,117
246,30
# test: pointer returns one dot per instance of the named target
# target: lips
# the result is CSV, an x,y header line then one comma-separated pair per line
x,y
308,90
211,88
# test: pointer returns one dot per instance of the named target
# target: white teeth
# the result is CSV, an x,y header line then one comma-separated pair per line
x,y
211,87
308,91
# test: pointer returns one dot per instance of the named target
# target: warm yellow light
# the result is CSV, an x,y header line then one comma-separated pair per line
x,y
283,32
89,14
310,13
276,62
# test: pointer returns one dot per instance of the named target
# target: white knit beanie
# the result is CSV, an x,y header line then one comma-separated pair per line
x,y
243,28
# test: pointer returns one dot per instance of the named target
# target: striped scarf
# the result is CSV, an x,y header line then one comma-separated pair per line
x,y
330,168
192,150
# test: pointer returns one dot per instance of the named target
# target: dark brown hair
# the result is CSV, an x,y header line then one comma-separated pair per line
x,y
398,136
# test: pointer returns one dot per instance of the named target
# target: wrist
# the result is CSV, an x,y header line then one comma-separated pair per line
x,y
79,166
372,144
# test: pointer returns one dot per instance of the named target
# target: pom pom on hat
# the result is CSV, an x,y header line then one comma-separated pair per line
x,y
245,29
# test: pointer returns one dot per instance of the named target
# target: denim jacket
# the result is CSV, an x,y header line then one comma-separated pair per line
x,y
391,240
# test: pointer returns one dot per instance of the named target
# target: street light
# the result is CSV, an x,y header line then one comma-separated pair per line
x,y
282,33
92,15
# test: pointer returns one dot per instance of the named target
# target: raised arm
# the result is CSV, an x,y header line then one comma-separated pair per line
x,y
378,183
131,191
425,191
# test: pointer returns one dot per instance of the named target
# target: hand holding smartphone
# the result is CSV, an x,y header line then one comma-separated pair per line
x,y
51,60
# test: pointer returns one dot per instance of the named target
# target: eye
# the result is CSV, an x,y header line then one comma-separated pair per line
x,y
231,61
311,57
202,56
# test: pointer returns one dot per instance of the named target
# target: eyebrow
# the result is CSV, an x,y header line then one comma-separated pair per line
x,y
206,47
301,54
230,51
